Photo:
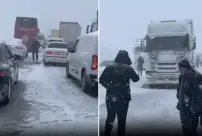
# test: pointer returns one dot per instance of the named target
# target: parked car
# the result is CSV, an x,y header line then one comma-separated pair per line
x,y
82,61
19,50
9,72
55,52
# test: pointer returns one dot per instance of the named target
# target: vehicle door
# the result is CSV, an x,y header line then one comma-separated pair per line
x,y
10,61
72,58
15,63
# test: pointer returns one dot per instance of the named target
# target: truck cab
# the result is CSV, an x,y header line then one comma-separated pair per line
x,y
166,43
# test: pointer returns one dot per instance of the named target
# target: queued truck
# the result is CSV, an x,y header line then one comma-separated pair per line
x,y
69,31
166,43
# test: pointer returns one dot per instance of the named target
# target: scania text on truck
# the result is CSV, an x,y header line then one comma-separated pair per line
x,y
166,43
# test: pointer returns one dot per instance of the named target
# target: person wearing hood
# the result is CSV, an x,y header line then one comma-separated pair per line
x,y
35,44
116,79
140,62
189,97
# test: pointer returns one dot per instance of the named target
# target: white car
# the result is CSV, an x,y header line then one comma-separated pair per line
x,y
55,52
19,50
83,61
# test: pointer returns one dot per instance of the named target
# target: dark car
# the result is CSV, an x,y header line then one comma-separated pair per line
x,y
9,71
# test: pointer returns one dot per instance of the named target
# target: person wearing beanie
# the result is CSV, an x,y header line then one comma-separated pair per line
x,y
188,94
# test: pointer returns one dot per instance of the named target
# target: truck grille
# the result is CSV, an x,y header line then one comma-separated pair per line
x,y
167,68
165,64
163,67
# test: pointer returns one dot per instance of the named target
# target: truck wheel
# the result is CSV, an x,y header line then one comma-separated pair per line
x,y
7,98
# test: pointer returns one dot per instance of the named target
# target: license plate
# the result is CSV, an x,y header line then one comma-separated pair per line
x,y
59,53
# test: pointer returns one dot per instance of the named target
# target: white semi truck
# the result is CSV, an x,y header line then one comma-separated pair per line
x,y
166,43
69,31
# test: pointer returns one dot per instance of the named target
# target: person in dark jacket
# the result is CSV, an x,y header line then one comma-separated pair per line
x,y
35,48
197,61
140,62
116,79
188,94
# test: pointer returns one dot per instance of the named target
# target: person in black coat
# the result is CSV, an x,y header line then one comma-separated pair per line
x,y
189,98
35,44
116,79
140,62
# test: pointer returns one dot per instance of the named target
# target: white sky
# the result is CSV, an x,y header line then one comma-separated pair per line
x,y
48,12
124,21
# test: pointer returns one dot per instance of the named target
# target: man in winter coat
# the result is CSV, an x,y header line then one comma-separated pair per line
x,y
116,79
140,62
189,97
35,44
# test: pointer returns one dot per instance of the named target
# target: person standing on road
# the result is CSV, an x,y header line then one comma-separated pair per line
x,y
197,61
140,62
116,79
35,48
189,98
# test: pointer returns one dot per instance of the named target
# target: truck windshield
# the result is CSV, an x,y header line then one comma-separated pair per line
x,y
167,43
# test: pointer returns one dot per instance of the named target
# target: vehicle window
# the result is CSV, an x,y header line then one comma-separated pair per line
x,y
27,22
40,37
75,45
87,45
106,63
58,45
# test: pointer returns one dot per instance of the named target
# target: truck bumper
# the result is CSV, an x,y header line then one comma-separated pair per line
x,y
157,81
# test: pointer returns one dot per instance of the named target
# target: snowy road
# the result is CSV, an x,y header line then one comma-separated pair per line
x,y
45,101
149,108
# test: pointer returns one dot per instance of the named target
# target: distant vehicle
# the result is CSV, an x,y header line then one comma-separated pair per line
x,y
82,61
19,50
26,26
42,39
55,33
69,31
9,72
55,52
104,64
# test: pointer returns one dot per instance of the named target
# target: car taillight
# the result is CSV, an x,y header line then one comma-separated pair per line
x,y
1,73
49,52
94,62
18,47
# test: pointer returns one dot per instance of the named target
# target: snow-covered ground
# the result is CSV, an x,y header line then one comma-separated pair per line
x,y
149,108
46,101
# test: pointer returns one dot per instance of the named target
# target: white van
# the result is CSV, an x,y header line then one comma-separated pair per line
x,y
83,61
